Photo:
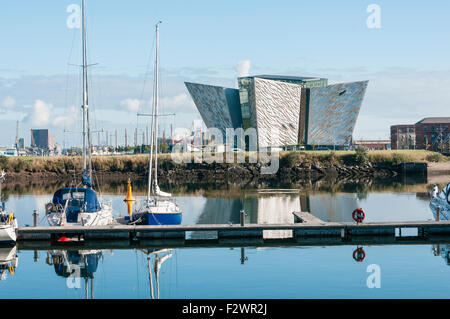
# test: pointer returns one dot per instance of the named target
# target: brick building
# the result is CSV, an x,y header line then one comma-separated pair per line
x,y
431,133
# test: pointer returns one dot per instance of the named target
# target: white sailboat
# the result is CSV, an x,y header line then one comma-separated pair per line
x,y
80,206
8,223
158,208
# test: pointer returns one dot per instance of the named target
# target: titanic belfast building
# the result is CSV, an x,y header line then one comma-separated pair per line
x,y
302,110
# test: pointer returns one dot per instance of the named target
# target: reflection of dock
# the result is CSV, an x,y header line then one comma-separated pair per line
x,y
237,243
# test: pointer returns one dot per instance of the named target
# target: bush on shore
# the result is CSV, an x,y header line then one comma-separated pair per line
x,y
139,163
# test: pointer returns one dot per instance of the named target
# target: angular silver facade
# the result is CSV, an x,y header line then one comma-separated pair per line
x,y
275,110
332,113
284,110
218,106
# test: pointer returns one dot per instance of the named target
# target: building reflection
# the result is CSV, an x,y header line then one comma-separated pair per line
x,y
8,262
76,265
332,207
277,208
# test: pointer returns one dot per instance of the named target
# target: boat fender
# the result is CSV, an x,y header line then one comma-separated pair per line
x,y
50,207
10,218
359,254
11,270
358,215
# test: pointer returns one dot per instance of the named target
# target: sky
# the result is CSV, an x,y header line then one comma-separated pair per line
x,y
403,53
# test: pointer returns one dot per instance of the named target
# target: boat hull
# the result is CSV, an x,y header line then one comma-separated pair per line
x,y
157,219
8,234
164,219
101,218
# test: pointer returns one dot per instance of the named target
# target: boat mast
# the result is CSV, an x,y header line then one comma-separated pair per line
x,y
154,124
156,104
87,176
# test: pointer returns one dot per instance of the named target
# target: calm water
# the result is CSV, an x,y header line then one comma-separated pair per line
x,y
406,271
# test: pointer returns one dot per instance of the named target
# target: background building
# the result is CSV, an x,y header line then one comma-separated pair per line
x,y
39,139
403,137
302,110
374,145
43,141
431,133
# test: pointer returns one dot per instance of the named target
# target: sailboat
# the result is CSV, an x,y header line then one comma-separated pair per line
x,y
158,208
80,206
8,223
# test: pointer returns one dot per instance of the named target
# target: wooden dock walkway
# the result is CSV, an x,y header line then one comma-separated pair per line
x,y
307,227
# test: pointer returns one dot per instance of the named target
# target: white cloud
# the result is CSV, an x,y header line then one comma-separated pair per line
x,y
64,121
8,102
176,101
131,105
41,113
243,68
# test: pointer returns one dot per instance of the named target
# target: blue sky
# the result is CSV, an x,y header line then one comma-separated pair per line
x,y
406,60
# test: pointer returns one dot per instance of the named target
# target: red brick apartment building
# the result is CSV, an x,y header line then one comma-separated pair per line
x,y
431,133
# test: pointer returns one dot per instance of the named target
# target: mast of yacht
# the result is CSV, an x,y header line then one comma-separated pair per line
x,y
154,135
2,179
87,175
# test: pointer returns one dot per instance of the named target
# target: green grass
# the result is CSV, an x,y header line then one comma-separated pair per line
x,y
139,163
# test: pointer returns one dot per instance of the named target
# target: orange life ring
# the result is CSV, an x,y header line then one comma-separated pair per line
x,y
358,215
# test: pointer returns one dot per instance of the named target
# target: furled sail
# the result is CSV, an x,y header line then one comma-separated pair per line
x,y
157,192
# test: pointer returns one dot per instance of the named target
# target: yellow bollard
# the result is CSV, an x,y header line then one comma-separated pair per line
x,y
129,200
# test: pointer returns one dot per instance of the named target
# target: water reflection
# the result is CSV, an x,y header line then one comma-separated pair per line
x,y
155,260
442,250
8,261
76,265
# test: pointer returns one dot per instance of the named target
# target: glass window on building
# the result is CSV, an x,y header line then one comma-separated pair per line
x,y
425,128
243,95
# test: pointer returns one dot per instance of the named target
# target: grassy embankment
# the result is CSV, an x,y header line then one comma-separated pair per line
x,y
139,163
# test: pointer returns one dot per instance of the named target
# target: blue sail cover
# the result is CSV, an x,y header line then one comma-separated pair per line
x,y
81,198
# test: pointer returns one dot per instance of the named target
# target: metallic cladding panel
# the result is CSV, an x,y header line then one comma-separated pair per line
x,y
275,105
218,106
333,111
302,127
234,107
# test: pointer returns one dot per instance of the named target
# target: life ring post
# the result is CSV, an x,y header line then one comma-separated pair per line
x,y
35,218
